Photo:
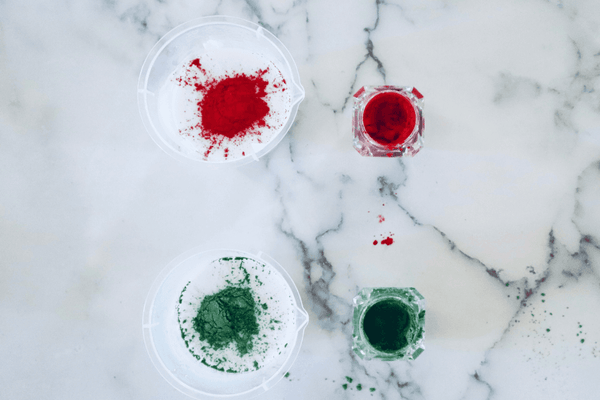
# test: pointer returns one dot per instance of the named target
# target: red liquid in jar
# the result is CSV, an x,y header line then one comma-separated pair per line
x,y
389,118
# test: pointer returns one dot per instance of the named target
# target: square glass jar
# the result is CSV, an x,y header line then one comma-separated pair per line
x,y
395,324
388,121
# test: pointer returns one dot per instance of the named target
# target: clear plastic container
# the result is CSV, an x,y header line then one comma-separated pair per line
x,y
164,338
229,43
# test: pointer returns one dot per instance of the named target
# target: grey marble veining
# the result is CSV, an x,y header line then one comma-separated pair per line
x,y
496,221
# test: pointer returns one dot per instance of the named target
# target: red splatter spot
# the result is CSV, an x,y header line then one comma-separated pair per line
x,y
381,218
587,239
387,241
374,242
528,293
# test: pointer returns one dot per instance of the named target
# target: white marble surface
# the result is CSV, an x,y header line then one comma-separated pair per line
x,y
496,221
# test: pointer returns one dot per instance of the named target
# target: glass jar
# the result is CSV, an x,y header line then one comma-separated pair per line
x,y
388,121
388,324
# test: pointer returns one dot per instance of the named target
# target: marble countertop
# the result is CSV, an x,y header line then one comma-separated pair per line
x,y
496,221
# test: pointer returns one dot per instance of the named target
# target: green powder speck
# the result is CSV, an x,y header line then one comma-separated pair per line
x,y
385,324
518,297
286,375
228,316
506,283
345,386
543,301
359,387
349,379
548,330
543,294
372,389
582,340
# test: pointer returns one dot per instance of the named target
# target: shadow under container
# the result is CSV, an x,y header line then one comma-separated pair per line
x,y
388,324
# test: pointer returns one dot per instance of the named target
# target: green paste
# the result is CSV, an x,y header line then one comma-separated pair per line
x,y
228,316
385,325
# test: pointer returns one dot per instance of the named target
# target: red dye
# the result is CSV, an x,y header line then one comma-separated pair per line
x,y
381,218
387,241
374,242
232,107
389,118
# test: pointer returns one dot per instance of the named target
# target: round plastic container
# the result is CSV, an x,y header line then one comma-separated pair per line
x,y
227,43
163,334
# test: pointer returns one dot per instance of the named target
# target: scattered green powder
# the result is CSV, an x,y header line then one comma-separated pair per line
x,y
372,389
286,375
518,297
349,379
548,330
506,283
543,301
543,294
228,316
582,340
359,387
345,386
385,324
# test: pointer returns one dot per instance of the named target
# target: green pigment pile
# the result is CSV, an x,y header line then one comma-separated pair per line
x,y
226,317
239,321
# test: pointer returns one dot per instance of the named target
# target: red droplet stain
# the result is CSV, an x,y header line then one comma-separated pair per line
x,y
387,241
374,242
381,218
389,118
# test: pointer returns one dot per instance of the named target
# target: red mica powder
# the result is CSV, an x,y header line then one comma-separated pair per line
x,y
231,107
389,118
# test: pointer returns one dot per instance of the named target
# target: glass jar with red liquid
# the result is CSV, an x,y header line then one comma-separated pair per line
x,y
388,121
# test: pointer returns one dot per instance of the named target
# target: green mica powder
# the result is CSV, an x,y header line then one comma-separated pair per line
x,y
385,324
228,316
227,324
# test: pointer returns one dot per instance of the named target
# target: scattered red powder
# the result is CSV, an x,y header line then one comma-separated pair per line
x,y
389,118
231,107
387,241
374,242
381,218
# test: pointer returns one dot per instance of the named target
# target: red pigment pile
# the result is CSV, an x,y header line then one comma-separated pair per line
x,y
389,118
231,108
